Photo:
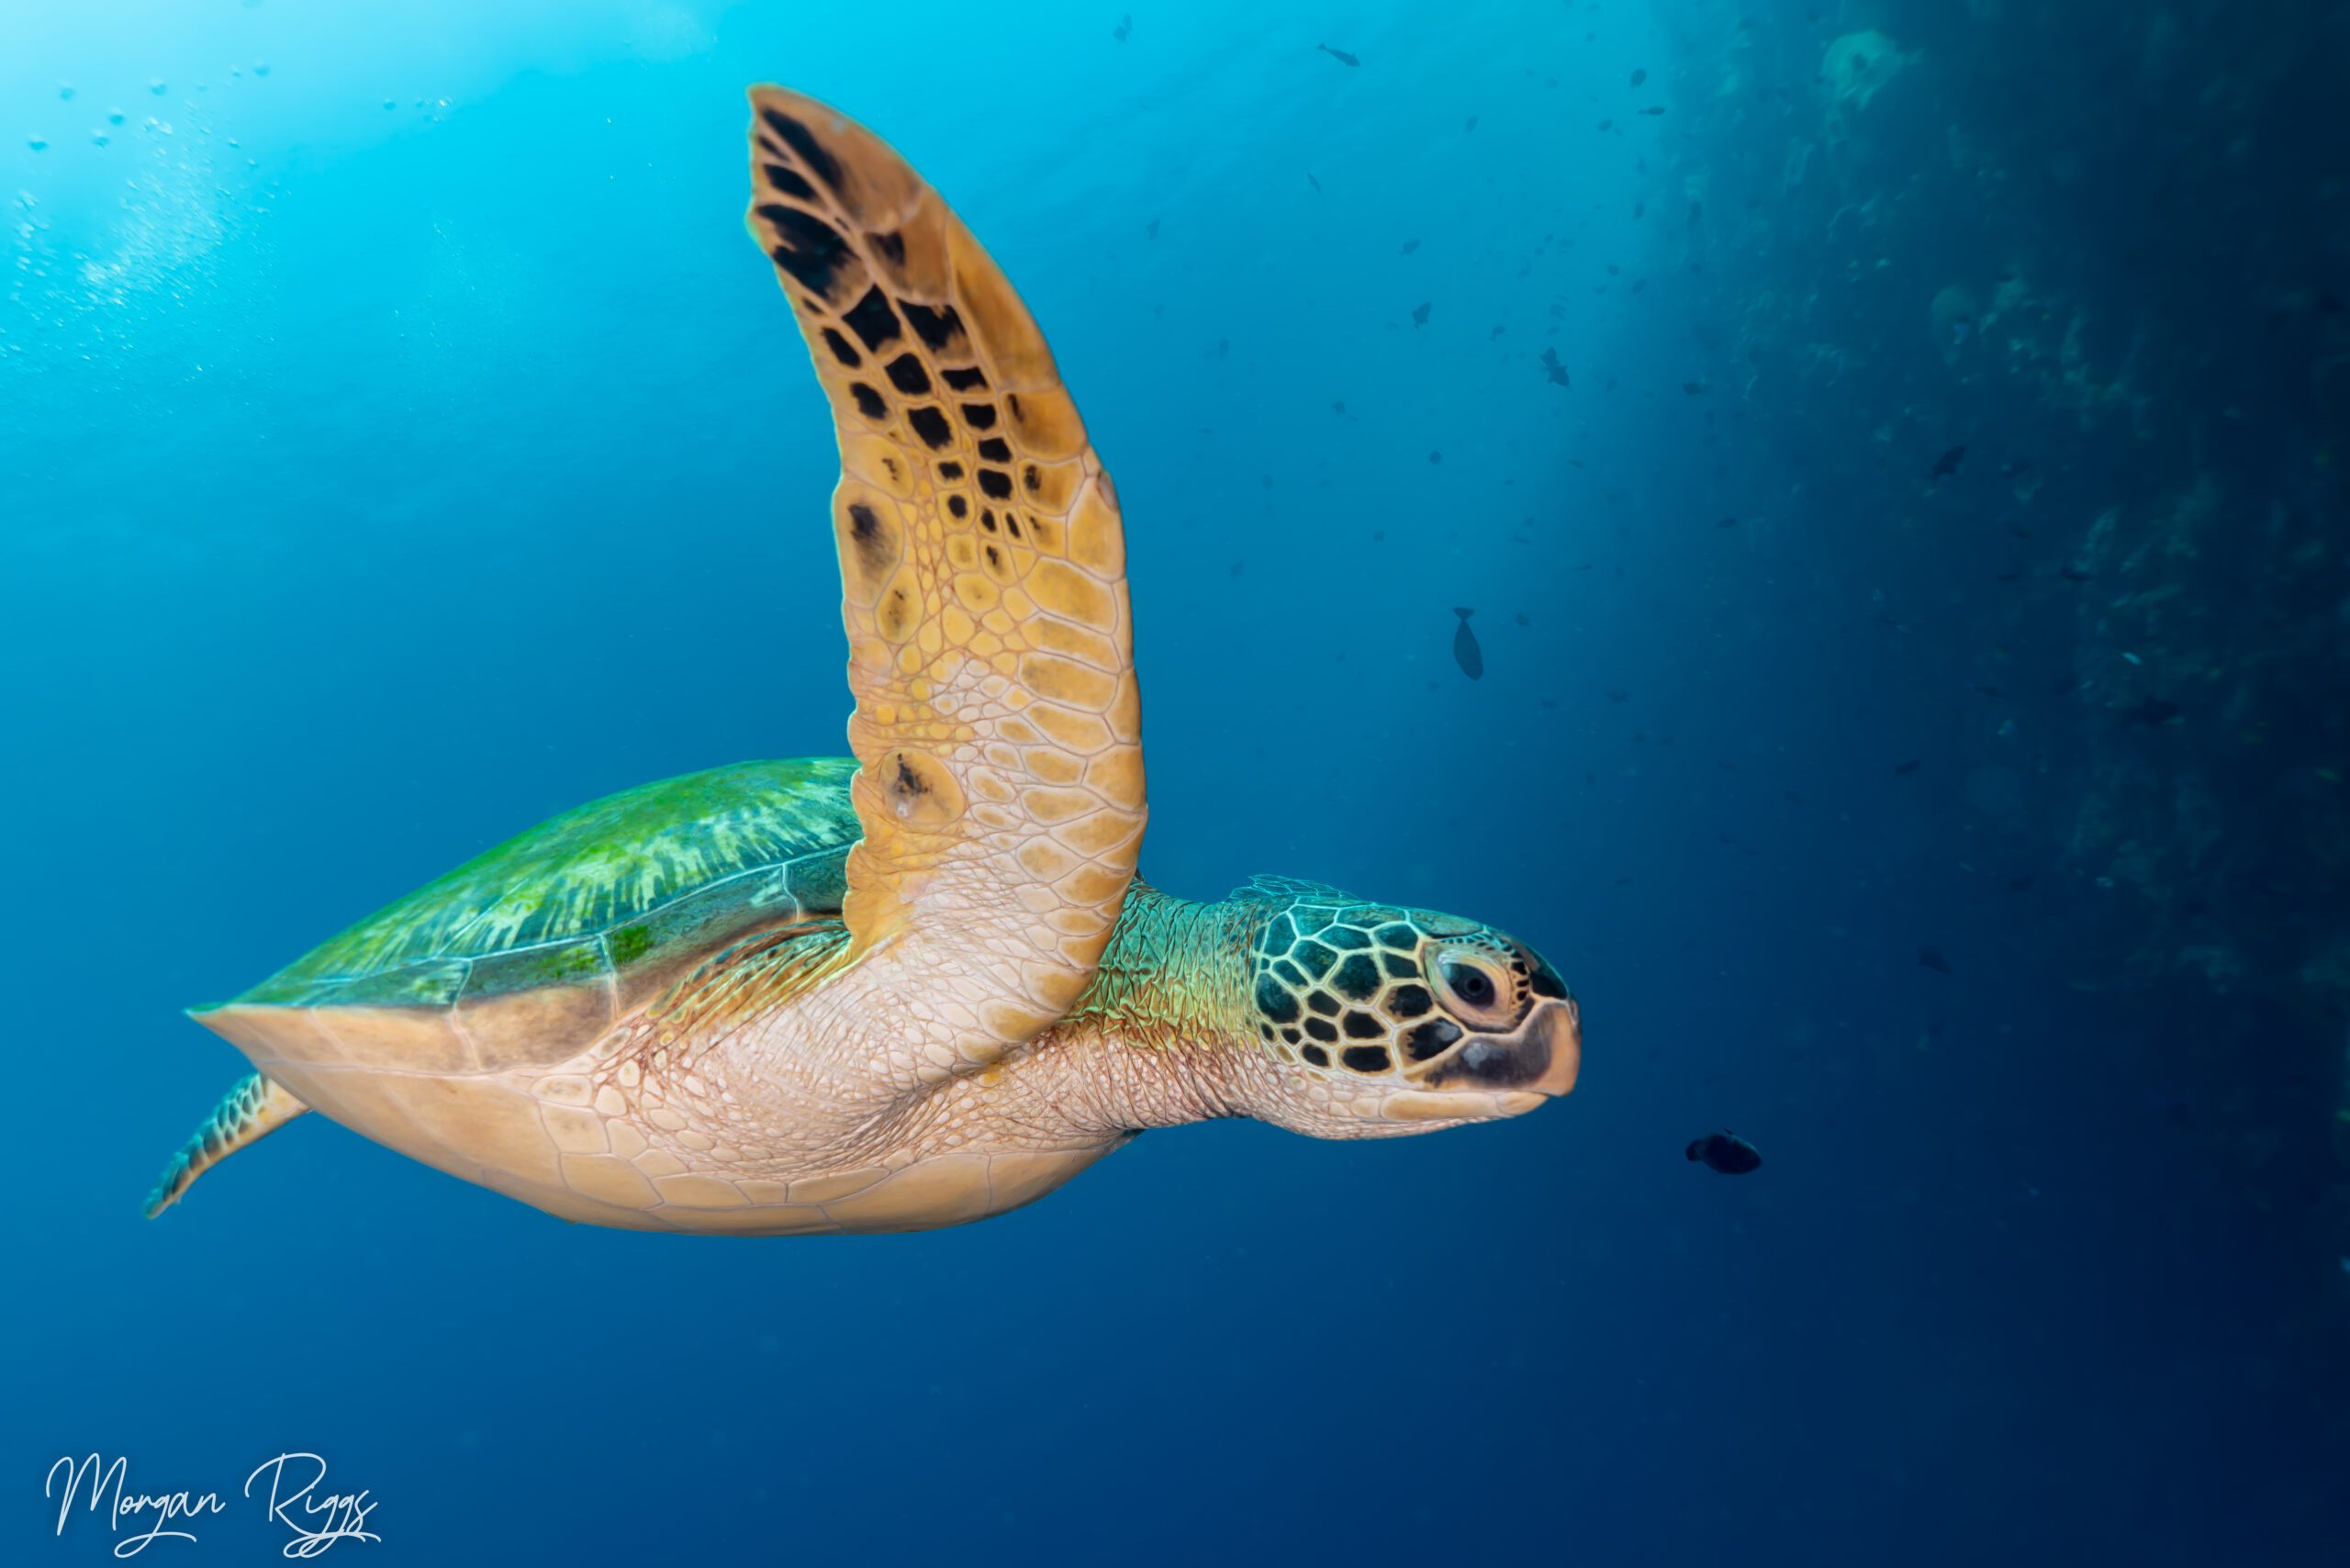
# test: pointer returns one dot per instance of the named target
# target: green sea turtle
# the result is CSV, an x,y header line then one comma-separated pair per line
x,y
919,987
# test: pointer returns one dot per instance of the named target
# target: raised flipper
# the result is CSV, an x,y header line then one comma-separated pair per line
x,y
983,573
254,1109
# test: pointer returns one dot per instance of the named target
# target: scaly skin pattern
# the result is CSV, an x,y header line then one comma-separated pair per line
x,y
983,579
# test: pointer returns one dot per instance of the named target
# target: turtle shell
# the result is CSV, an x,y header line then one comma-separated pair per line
x,y
527,953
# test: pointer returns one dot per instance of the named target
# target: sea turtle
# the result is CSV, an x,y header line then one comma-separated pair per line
x,y
919,987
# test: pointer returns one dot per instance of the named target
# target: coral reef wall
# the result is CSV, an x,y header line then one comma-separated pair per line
x,y
2060,296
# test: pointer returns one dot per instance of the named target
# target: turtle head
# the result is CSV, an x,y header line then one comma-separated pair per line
x,y
1385,1020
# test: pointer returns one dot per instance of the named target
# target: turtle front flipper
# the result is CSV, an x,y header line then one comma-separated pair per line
x,y
983,574
256,1107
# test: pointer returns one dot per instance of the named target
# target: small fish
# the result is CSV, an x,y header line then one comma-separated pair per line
x,y
1727,522
1465,651
1947,463
1931,959
1470,126
1620,697
1553,369
1653,109
1639,76
1315,183
2017,884
1420,314
1903,770
1693,388
2154,712
1151,229
1991,691
2072,574
1410,246
2008,577
1436,456
1725,1153
1339,408
1341,55
1125,25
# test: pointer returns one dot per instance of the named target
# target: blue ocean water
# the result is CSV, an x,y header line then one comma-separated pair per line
x,y
400,442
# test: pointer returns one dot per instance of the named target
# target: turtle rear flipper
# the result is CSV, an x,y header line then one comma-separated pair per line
x,y
256,1107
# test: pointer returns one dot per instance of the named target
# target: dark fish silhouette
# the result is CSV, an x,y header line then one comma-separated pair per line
x,y
1639,76
1552,368
1420,314
1470,126
2072,574
1410,246
1725,1153
1151,229
1947,463
1312,181
1902,769
1653,109
1125,25
2154,712
1341,55
1465,651
1931,959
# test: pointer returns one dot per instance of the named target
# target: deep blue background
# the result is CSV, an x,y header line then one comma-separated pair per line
x,y
408,443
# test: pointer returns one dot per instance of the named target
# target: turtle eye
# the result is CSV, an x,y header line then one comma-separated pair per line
x,y
1469,983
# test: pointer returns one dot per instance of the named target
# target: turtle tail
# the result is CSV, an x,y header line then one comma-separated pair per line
x,y
256,1107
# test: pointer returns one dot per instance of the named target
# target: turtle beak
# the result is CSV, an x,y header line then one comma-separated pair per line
x,y
1541,1057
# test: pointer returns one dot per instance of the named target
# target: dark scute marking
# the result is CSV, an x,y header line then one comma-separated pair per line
x,y
1497,1065
1399,965
869,402
1431,1039
1409,1000
796,136
987,519
872,319
936,327
1322,1001
951,471
1322,1029
892,244
1313,959
958,507
1277,936
1546,981
1346,936
931,426
1356,978
979,416
1292,1036
1365,1058
965,380
1290,972
1274,1002
1315,1055
994,450
1029,476
907,781
1311,919
907,376
788,181
1402,937
849,358
807,247
1362,1026
996,483
995,556
1265,1031
866,532
1012,523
